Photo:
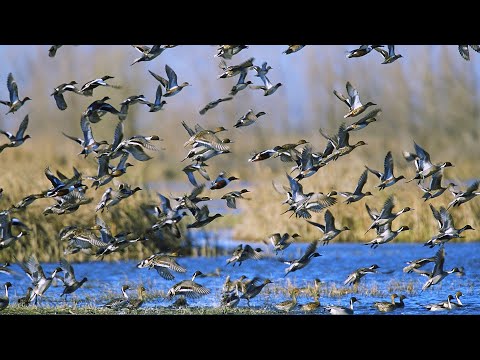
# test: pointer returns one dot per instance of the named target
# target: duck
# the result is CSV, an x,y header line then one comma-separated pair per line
x,y
52,50
208,138
243,253
390,56
97,108
107,172
232,196
163,263
70,283
40,281
233,70
253,290
249,118
304,260
171,86
129,101
262,70
262,155
329,230
4,269
353,101
4,300
230,299
68,203
442,306
385,234
18,138
25,300
464,52
89,86
88,143
227,51
202,217
423,164
213,104
293,49
342,310
58,93
312,305
418,263
385,306
438,274
387,178
267,87
385,216
188,288
340,144
148,53
134,304
288,305
361,51
7,239
462,197
158,104
459,303
119,303
112,197
435,189
281,241
241,83
355,277
364,121
447,230
189,170
400,304
357,194
221,181
15,103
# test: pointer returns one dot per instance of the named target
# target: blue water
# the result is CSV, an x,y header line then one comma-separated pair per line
x,y
332,268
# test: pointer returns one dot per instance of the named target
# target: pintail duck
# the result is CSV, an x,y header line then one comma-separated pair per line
x,y
461,197
248,119
15,103
157,105
340,144
131,100
385,306
281,242
241,83
68,203
58,93
288,305
438,274
89,86
313,305
262,155
441,306
163,263
423,164
364,121
262,70
288,152
227,51
361,51
171,86
7,238
119,303
202,217
221,181
189,170
193,197
447,230
357,193
148,53
229,71
308,163
435,189
4,269
69,282
385,216
134,304
329,231
208,138
385,234
353,101
107,172
83,239
40,281
230,299
52,50
17,139
188,288
304,260
387,178
25,300
232,196
213,104
293,48
168,217
253,290
416,264
97,108
464,52
459,303
4,300
112,197
267,87
62,187
355,277
390,56
244,253
88,143
342,310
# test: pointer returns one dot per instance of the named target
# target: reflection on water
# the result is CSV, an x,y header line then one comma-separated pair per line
x,y
332,268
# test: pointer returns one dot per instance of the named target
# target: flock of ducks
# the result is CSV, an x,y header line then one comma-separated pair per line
x,y
69,193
